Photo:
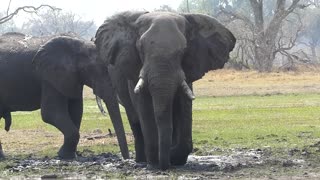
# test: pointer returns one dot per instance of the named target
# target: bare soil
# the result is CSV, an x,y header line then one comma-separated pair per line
x,y
236,164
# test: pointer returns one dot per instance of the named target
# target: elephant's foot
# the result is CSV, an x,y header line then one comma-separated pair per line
x,y
178,160
179,156
69,147
1,152
140,157
66,154
152,167
141,165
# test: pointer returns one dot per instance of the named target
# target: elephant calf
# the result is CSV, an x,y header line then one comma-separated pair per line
x,y
52,77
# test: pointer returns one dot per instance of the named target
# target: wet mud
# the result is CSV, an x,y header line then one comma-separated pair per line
x,y
249,164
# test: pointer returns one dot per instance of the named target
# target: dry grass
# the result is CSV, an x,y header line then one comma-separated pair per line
x,y
228,82
231,83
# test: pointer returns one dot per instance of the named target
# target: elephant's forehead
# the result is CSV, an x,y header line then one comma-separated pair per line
x,y
160,17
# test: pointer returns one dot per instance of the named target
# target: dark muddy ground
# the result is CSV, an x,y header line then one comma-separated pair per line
x,y
238,164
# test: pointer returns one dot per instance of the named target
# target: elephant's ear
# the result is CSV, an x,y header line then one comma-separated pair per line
x,y
56,63
116,41
209,45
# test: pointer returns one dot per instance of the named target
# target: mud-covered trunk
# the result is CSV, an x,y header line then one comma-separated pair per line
x,y
162,105
162,89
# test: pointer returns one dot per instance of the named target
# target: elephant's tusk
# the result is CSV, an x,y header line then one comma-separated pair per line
x,y
98,100
139,86
186,89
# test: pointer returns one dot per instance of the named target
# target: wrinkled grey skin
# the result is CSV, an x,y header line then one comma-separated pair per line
x,y
52,78
20,89
153,58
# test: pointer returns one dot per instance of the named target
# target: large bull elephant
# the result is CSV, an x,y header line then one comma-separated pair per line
x,y
153,59
52,78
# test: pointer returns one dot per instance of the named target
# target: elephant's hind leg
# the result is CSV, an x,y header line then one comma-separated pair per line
x,y
75,107
54,110
8,119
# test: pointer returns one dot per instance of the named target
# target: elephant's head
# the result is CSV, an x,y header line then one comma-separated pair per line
x,y
164,52
164,49
68,63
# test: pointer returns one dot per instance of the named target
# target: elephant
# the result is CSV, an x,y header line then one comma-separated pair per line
x,y
49,73
153,58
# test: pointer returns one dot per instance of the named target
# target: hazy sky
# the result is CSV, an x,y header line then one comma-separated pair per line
x,y
96,10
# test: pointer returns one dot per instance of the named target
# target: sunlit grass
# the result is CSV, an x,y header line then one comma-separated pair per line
x,y
277,121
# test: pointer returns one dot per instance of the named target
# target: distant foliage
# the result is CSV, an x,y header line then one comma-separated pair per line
x,y
165,8
310,36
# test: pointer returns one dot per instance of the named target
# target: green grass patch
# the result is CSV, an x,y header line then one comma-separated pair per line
x,y
275,121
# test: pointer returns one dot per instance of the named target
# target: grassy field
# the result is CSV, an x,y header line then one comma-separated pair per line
x,y
233,110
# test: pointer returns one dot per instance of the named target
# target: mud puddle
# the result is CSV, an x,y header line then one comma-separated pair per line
x,y
238,164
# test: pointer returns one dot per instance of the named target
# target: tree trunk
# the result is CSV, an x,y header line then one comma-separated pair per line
x,y
263,57
314,54
266,35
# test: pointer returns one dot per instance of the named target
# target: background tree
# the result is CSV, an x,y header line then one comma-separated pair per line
x,y
165,8
310,35
8,25
52,22
261,26
46,20
5,17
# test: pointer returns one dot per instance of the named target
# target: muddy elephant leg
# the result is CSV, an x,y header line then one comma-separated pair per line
x,y
134,122
137,133
8,119
121,84
135,126
148,127
54,111
182,136
75,107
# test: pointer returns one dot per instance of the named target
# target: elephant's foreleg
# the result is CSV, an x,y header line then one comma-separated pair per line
x,y
149,128
127,99
182,125
75,107
138,137
54,110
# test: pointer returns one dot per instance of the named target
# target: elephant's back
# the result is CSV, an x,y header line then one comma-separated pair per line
x,y
14,42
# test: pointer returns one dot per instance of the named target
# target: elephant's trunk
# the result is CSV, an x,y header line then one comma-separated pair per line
x,y
162,98
163,83
114,113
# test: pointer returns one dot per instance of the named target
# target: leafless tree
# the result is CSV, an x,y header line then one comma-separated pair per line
x,y
266,35
54,22
28,9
